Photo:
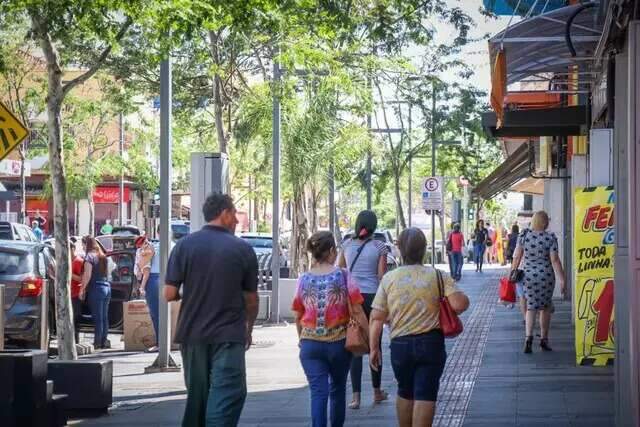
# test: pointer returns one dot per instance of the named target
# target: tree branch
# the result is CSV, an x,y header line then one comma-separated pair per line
x,y
99,62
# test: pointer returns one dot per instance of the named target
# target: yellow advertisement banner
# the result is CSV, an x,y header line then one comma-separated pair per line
x,y
594,249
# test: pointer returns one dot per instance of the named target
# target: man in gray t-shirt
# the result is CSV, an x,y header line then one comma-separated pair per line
x,y
218,274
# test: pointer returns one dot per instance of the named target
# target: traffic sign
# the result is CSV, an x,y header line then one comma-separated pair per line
x,y
432,193
12,132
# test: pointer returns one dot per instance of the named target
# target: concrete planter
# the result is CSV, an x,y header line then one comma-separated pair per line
x,y
88,384
23,393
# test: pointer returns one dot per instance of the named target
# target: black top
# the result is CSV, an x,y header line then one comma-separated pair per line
x,y
96,274
513,242
214,268
480,236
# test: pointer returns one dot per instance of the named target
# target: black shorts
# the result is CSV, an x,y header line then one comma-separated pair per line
x,y
418,362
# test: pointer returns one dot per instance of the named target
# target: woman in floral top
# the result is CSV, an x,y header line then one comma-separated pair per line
x,y
322,315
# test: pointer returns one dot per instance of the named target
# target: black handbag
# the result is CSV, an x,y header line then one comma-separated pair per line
x,y
516,275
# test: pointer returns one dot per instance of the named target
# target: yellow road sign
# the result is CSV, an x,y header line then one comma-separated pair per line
x,y
12,132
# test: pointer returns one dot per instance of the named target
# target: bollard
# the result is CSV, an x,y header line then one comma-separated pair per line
x,y
44,317
2,317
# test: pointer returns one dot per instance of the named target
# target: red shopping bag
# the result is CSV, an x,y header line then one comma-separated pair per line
x,y
507,290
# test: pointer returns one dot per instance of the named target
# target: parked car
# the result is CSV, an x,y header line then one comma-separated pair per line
x,y
384,236
26,268
16,231
179,229
262,244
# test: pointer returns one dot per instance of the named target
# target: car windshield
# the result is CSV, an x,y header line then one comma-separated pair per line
x,y
15,262
180,229
259,242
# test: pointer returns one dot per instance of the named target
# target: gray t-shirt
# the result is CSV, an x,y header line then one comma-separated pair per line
x,y
214,268
365,270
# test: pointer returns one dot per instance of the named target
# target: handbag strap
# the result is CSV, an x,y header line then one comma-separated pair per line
x,y
440,283
346,288
353,263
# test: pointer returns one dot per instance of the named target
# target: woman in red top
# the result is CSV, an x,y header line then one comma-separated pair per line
x,y
77,267
456,243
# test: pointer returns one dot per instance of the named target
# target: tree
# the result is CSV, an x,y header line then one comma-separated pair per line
x,y
22,89
83,33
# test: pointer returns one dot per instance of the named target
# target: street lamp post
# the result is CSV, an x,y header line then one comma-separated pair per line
x,y
121,193
274,315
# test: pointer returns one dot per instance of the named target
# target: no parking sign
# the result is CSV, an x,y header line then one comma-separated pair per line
x,y
432,193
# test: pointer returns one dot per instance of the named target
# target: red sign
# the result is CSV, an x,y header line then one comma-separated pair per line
x,y
109,195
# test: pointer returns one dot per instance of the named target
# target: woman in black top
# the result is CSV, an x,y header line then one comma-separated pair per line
x,y
97,289
480,235
513,242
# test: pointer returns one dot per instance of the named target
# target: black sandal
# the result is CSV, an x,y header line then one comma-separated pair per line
x,y
527,345
544,344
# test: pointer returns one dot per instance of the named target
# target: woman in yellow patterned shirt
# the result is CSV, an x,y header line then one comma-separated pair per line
x,y
408,300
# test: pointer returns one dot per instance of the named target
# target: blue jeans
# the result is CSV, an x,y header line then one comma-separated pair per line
x,y
326,365
456,264
215,376
478,252
152,290
99,296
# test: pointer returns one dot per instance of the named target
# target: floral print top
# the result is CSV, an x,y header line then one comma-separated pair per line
x,y
321,304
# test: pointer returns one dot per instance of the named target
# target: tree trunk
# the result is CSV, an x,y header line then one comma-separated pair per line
x,y
396,187
218,104
92,213
299,235
55,96
23,183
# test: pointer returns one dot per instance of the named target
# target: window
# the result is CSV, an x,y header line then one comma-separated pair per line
x,y
528,203
12,263
259,242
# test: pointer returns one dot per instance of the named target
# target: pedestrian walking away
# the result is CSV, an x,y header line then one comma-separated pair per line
x,y
321,305
408,299
37,231
480,237
513,242
455,245
98,290
215,274
366,259
77,267
537,253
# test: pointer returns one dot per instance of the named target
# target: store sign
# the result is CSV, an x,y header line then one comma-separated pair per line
x,y
110,195
12,167
594,250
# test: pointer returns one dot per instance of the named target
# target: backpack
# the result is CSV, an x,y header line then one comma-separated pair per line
x,y
449,244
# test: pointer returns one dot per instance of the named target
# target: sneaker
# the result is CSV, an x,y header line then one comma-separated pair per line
x,y
107,344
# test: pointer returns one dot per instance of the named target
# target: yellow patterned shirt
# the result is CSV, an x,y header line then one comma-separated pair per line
x,y
409,296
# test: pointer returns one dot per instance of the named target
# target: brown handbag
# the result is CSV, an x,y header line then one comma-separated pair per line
x,y
357,341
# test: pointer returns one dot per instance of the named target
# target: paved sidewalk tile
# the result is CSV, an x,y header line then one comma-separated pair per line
x,y
487,381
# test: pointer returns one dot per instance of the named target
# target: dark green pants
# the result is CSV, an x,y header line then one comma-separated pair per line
x,y
215,376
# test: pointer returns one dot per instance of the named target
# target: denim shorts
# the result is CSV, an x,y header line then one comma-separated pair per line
x,y
418,362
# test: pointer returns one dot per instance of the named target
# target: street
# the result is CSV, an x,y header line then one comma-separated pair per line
x,y
487,380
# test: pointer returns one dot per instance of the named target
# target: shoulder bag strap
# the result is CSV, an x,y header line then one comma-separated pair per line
x,y
440,283
346,288
353,263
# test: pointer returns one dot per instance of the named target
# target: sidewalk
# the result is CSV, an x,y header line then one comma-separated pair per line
x,y
487,380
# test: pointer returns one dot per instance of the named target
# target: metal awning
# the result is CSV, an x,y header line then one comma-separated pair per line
x,y
512,170
561,121
537,46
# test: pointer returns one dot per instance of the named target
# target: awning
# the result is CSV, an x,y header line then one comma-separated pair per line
x,y
529,186
537,46
512,170
508,7
561,121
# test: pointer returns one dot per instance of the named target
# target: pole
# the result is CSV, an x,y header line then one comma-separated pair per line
x,y
369,160
2,317
275,229
44,317
410,191
121,204
164,362
433,171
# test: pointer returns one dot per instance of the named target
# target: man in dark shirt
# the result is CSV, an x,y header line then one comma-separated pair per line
x,y
218,274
